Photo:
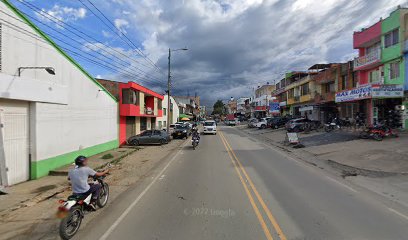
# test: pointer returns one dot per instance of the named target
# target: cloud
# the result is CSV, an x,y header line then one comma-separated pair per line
x,y
121,24
66,14
237,44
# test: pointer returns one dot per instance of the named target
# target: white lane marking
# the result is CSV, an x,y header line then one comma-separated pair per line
x,y
342,184
126,212
398,213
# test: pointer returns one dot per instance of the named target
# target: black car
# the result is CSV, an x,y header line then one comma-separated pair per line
x,y
277,122
149,137
181,131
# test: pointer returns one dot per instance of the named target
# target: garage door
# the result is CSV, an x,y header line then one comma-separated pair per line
x,y
14,117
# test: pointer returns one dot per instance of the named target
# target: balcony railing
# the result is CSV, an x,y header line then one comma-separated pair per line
x,y
149,111
368,59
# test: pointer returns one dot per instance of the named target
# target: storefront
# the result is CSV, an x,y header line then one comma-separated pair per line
x,y
373,101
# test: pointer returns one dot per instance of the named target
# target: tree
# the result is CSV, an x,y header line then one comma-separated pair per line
x,y
218,107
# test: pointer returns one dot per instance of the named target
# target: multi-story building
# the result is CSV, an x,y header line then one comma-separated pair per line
x,y
300,90
262,100
51,109
188,108
138,107
326,85
173,111
379,67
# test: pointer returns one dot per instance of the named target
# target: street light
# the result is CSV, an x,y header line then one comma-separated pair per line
x,y
168,88
50,70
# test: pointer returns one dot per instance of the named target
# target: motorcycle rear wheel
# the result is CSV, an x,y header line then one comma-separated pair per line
x,y
377,137
74,219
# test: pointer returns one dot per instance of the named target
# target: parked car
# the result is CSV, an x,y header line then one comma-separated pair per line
x,y
149,137
231,122
181,131
277,122
299,125
262,123
252,122
210,126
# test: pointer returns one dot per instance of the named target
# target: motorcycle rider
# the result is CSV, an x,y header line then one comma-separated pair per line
x,y
79,179
195,133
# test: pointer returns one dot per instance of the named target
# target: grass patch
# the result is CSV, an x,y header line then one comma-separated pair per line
x,y
107,156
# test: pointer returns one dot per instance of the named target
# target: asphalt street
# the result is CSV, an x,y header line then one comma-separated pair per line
x,y
235,187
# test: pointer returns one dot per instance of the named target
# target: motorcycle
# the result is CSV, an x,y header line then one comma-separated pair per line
x,y
71,211
194,141
333,125
378,132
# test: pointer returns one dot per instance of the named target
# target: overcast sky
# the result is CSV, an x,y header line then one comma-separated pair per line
x,y
234,45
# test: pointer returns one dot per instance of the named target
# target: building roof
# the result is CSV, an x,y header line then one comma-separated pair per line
x,y
56,46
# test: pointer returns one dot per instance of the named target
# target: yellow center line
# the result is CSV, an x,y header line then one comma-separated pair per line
x,y
251,199
272,219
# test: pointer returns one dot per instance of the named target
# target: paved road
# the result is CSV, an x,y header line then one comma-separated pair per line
x,y
233,187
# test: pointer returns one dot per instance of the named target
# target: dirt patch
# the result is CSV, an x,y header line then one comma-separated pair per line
x,y
44,188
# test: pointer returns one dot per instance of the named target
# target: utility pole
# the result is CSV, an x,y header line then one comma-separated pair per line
x,y
168,96
168,88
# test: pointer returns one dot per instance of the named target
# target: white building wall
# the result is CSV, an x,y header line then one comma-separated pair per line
x,y
68,112
175,111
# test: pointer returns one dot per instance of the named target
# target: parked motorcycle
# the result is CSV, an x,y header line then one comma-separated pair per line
x,y
333,125
378,132
71,211
194,141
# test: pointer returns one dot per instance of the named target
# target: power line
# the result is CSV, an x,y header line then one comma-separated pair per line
x,y
68,44
138,49
121,35
106,67
68,27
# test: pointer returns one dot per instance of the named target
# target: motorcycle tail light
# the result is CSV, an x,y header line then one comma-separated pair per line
x,y
80,202
61,201
62,209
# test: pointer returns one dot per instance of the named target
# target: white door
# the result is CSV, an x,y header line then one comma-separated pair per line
x,y
14,117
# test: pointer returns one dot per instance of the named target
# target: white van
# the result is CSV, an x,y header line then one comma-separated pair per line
x,y
210,126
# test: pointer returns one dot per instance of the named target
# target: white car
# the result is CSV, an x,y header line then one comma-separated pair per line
x,y
210,126
262,124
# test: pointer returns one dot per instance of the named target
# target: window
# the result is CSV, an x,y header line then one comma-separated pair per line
x,y
329,87
159,104
164,111
394,70
291,93
391,38
355,79
304,90
344,80
374,76
129,96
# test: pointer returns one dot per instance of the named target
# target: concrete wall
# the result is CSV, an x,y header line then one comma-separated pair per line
x,y
173,115
83,121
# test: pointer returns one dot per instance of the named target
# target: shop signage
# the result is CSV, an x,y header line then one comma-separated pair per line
x,y
307,108
361,92
387,91
282,104
274,107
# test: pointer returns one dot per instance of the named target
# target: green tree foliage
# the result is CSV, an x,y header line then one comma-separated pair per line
x,y
218,107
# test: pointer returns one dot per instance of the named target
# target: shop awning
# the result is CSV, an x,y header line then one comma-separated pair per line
x,y
182,115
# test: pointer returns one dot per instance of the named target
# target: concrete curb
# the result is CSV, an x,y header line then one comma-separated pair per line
x,y
347,170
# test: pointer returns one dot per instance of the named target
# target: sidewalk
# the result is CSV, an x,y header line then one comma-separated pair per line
x,y
345,148
29,193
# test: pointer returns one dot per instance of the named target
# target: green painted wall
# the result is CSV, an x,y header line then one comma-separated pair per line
x,y
401,78
390,23
41,168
